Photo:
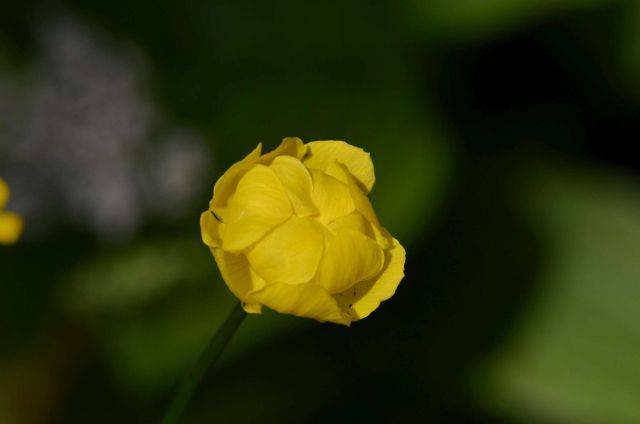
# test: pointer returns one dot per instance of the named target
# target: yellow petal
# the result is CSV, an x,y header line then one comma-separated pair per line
x,y
11,225
226,184
4,194
239,277
354,221
259,204
363,298
349,257
211,229
321,154
332,197
297,183
289,254
303,300
290,146
362,203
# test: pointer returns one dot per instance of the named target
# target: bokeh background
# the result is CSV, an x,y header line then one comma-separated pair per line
x,y
504,136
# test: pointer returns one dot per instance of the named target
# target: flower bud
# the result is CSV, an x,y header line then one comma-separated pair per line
x,y
294,230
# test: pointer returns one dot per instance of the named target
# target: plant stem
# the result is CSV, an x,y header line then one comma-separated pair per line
x,y
209,357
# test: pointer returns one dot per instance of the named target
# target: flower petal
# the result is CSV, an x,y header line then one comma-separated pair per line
x,y
226,184
322,153
349,257
259,204
354,221
365,297
362,203
290,146
303,300
331,196
297,183
11,225
289,254
239,277
4,194
211,229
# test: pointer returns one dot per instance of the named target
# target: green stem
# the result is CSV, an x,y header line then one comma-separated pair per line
x,y
208,358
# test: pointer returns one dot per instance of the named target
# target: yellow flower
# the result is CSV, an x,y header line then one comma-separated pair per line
x,y
10,223
294,230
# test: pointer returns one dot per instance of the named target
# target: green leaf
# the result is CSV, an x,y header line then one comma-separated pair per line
x,y
575,355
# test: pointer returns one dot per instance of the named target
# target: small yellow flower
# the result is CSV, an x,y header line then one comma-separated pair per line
x,y
294,230
10,223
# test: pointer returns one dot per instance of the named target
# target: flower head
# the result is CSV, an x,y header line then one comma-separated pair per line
x,y
10,223
294,230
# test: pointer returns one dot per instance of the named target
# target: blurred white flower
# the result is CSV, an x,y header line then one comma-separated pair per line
x,y
80,139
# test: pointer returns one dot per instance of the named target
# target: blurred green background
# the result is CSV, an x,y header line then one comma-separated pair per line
x,y
502,132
